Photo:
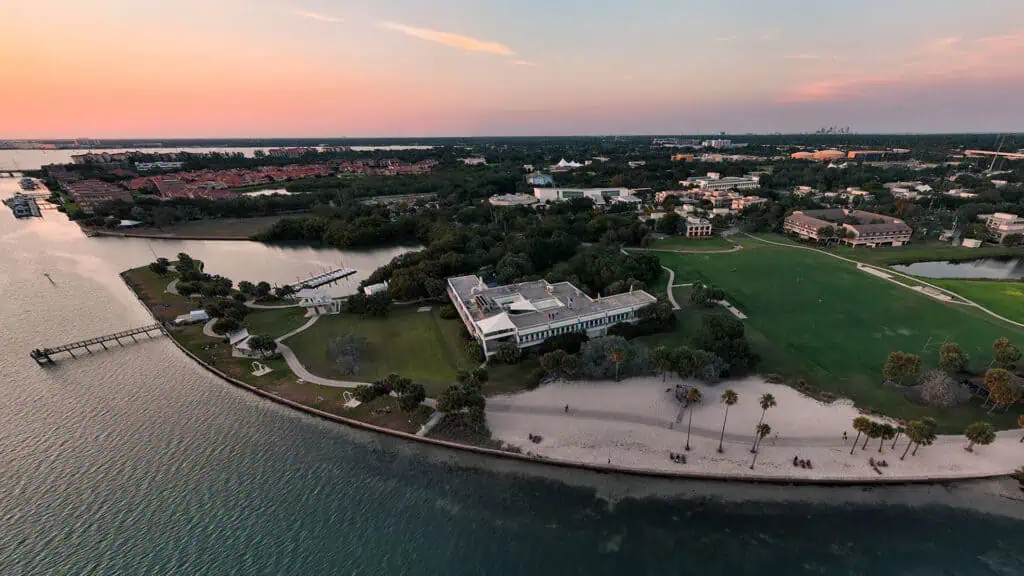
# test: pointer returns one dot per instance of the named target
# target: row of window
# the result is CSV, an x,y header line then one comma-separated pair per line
x,y
544,335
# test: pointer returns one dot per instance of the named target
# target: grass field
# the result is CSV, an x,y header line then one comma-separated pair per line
x,y
275,323
821,319
219,228
683,243
417,345
1005,298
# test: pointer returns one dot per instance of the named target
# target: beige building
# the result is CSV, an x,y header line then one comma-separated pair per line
x,y
862,228
1001,224
698,227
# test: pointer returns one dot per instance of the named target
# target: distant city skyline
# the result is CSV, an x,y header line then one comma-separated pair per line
x,y
401,68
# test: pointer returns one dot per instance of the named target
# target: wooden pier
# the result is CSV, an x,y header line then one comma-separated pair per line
x,y
46,355
325,278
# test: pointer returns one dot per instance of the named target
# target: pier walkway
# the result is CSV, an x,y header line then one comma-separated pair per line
x,y
46,355
325,278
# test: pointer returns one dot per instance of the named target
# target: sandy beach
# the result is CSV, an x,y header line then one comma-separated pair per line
x,y
632,424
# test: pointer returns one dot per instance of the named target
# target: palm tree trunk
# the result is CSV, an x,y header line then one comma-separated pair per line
x,y
1021,438
855,440
907,450
753,448
752,461
914,453
616,371
970,446
721,438
689,426
880,444
893,447
866,438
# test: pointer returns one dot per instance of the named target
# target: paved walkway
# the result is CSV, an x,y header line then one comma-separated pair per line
x,y
208,329
895,273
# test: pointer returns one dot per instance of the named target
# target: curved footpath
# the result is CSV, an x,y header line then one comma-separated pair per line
x,y
496,406
888,270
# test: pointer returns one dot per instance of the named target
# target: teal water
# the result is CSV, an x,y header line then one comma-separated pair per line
x,y
135,461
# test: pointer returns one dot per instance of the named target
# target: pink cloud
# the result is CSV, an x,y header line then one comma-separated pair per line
x,y
457,41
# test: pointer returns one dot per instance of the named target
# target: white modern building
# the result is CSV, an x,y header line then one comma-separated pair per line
x,y
528,313
374,289
715,181
599,195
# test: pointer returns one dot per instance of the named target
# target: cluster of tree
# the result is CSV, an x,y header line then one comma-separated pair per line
x,y
706,295
611,357
354,225
230,314
651,319
265,345
374,305
919,433
507,353
410,394
463,403
725,337
160,266
258,291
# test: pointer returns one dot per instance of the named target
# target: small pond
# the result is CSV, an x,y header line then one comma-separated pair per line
x,y
993,268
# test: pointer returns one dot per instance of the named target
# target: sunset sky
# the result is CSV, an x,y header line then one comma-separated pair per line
x,y
246,68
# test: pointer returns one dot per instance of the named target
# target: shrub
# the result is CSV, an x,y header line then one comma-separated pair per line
x,y
474,351
448,312
534,378
938,389
507,353
225,325
569,342
364,393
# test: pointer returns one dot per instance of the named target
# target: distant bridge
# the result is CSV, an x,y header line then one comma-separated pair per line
x,y
45,355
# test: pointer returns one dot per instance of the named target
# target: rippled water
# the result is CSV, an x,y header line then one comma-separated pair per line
x,y
135,461
995,268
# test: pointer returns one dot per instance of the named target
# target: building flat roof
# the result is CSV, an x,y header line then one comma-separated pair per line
x,y
536,303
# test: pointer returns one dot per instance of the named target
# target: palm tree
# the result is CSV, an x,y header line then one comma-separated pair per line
x,y
873,431
885,432
693,396
861,424
979,433
760,432
915,431
900,430
928,436
617,356
730,397
1020,422
767,401
662,360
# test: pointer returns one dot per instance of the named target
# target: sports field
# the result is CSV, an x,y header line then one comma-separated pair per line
x,y
818,318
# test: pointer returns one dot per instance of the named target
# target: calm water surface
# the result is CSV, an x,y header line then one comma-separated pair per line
x,y
135,461
994,268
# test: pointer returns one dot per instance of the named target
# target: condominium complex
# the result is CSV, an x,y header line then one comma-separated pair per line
x,y
862,228
89,193
528,313
1001,224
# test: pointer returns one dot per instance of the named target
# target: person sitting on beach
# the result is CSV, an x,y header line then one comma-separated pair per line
x,y
796,462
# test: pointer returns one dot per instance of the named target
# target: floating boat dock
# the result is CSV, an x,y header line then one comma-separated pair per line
x,y
325,278
44,356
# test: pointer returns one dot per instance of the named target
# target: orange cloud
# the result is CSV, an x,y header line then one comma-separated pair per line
x,y
942,59
457,41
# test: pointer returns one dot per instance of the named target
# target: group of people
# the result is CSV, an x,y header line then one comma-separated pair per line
x,y
876,464
536,438
797,461
677,458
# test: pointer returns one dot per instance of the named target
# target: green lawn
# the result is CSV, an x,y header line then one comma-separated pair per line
x,y
819,318
1003,298
417,345
275,323
683,243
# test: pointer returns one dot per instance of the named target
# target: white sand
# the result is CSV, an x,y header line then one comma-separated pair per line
x,y
629,422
